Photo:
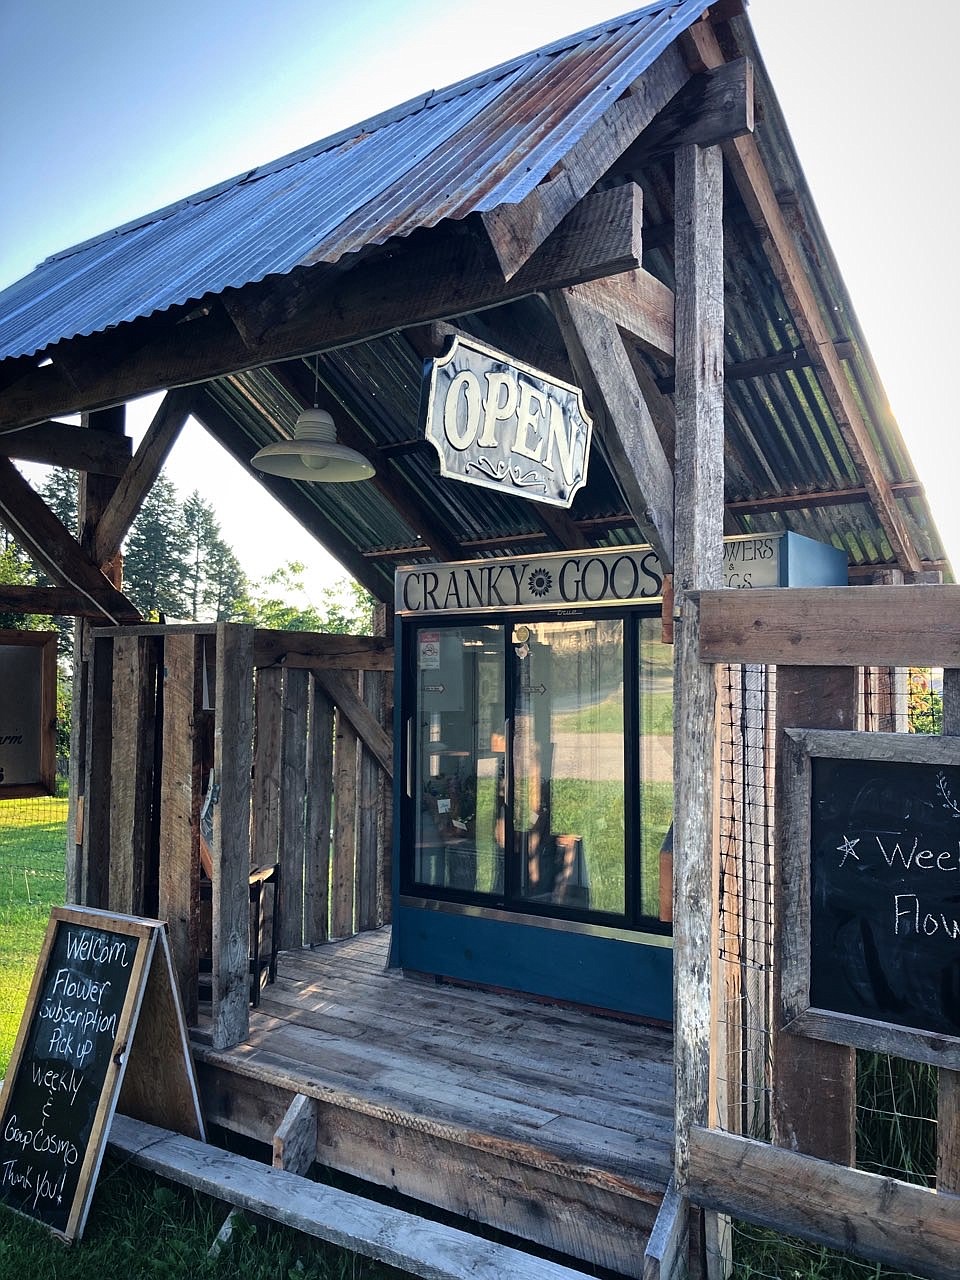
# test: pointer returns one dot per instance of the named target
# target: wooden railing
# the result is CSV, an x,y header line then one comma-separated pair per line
x,y
285,737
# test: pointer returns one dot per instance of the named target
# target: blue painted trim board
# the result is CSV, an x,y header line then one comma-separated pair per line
x,y
607,973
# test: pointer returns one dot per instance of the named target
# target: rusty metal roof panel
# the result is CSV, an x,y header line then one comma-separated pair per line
x,y
486,141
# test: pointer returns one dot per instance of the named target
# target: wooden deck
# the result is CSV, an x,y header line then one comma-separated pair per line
x,y
550,1123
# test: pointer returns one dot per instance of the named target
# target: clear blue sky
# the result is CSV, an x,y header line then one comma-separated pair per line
x,y
110,109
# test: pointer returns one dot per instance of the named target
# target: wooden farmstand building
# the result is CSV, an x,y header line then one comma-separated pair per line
x,y
536,857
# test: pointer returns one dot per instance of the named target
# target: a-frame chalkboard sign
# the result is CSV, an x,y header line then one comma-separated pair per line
x,y
103,1025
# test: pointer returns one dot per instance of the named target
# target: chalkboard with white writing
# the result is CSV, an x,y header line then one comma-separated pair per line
x,y
68,1063
871,910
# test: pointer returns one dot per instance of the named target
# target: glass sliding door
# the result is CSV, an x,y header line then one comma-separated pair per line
x,y
458,758
539,765
569,764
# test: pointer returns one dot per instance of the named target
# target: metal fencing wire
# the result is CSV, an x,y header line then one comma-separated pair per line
x,y
33,835
896,1110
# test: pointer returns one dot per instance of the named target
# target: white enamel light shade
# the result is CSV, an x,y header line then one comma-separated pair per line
x,y
313,453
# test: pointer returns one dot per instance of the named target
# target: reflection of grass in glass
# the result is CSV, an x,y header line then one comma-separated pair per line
x,y
607,716
489,856
656,814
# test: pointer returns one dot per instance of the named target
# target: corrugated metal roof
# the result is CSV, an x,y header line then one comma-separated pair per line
x,y
478,144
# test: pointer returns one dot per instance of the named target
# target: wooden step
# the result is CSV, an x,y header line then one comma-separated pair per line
x,y
392,1236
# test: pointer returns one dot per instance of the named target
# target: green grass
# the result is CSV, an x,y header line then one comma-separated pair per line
x,y
140,1227
32,857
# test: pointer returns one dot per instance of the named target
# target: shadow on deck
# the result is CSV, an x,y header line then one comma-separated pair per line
x,y
550,1123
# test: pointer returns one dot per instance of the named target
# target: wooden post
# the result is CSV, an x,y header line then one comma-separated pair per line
x,y
293,788
233,758
268,701
370,839
133,727
342,880
948,1092
814,1096
698,547
180,790
316,873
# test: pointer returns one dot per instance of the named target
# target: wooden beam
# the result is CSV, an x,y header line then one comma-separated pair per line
x,y
295,1142
712,107
697,562
820,498
623,422
57,444
333,652
377,741
38,531
138,478
94,492
813,1101
638,304
413,1245
908,626
517,230
63,602
667,1252
442,273
753,182
909,1227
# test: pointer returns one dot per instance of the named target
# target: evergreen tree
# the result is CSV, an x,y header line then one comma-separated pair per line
x,y
156,564
61,492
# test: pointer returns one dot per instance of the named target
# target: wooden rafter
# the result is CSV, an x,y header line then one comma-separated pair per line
x,y
447,271
638,302
138,478
517,230
47,542
57,444
630,439
753,182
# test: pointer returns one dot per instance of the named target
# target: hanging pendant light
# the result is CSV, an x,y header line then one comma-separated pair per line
x,y
313,453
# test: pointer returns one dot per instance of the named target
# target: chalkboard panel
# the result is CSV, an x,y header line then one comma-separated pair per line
x,y
68,1063
871,908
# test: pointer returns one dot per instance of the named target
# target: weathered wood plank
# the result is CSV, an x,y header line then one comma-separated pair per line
x,y
814,1094
370,837
389,1235
697,560
45,539
712,107
268,715
135,662
316,871
233,758
58,445
754,184
623,421
138,478
517,230
375,738
637,302
908,1227
665,1257
344,852
295,1142
823,626
441,275
338,653
180,790
293,793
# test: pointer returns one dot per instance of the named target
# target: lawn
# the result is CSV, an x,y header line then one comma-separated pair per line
x,y
32,858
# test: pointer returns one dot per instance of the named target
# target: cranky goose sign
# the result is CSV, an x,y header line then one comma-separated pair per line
x,y
498,423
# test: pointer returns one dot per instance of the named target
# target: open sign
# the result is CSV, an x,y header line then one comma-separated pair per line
x,y
498,423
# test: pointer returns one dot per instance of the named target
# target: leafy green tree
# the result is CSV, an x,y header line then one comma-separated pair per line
x,y
346,608
16,570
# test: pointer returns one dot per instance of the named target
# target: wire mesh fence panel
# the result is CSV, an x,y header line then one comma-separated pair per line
x,y
896,1110
33,835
